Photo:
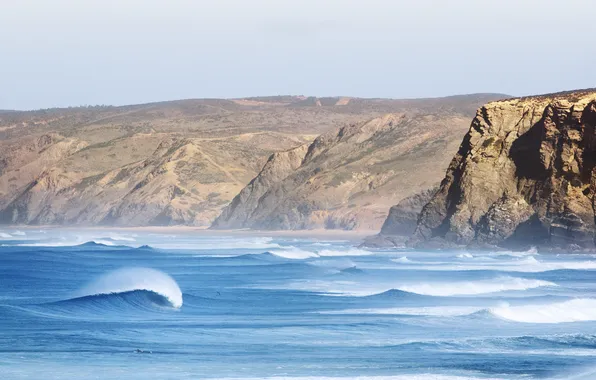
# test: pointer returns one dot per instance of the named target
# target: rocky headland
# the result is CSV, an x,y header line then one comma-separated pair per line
x,y
523,176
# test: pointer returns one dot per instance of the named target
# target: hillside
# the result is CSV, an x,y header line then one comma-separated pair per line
x,y
165,163
348,178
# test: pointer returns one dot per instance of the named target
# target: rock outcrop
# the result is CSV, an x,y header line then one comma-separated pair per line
x,y
401,222
523,176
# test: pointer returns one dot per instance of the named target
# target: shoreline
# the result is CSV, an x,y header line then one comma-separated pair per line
x,y
203,231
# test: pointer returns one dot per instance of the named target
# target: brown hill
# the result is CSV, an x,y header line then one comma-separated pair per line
x,y
163,163
348,178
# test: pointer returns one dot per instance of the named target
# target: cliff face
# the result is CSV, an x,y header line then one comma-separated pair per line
x,y
401,222
524,175
350,177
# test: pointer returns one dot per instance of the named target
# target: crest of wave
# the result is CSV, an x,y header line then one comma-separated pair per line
x,y
495,285
130,279
577,310
301,254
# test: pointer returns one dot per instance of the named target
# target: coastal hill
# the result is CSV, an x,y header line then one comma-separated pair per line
x,y
170,163
524,176
349,177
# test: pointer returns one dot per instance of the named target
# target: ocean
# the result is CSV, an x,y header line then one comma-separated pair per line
x,y
137,304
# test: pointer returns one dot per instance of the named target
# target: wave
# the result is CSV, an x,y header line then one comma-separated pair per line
x,y
109,302
352,270
128,280
577,310
417,376
525,264
76,243
295,253
344,252
436,311
4,235
464,288
351,288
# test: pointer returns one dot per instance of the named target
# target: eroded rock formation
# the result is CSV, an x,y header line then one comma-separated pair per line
x,y
524,175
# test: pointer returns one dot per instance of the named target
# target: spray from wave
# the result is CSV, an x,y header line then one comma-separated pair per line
x,y
577,310
496,285
129,280
436,289
294,253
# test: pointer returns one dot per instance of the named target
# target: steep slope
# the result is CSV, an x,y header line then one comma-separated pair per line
x,y
350,177
524,175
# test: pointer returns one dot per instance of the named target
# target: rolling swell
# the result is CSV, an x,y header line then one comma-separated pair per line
x,y
105,303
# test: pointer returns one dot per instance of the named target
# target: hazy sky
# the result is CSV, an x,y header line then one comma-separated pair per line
x,y
76,52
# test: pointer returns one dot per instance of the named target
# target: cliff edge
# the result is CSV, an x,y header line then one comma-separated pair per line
x,y
523,176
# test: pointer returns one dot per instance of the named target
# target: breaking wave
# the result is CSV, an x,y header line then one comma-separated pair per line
x,y
125,281
294,253
463,288
577,310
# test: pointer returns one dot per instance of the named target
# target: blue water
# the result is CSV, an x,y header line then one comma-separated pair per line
x,y
108,304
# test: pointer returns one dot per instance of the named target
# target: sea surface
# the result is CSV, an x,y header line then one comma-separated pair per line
x,y
122,304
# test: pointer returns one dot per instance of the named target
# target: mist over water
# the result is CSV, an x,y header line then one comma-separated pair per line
x,y
116,304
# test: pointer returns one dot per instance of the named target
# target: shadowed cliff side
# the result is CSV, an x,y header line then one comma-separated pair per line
x,y
401,221
524,175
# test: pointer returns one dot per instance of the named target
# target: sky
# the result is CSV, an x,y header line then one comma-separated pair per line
x,y
56,53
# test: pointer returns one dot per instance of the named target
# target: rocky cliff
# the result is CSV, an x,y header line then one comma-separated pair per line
x,y
401,222
523,176
348,178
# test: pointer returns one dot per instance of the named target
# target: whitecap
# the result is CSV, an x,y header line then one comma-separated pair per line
x,y
437,311
463,288
577,310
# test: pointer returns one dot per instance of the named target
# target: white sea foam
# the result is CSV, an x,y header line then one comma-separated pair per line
x,y
4,235
118,237
437,311
214,243
130,279
577,310
496,285
344,252
294,253
403,259
437,289
19,233
424,376
524,265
